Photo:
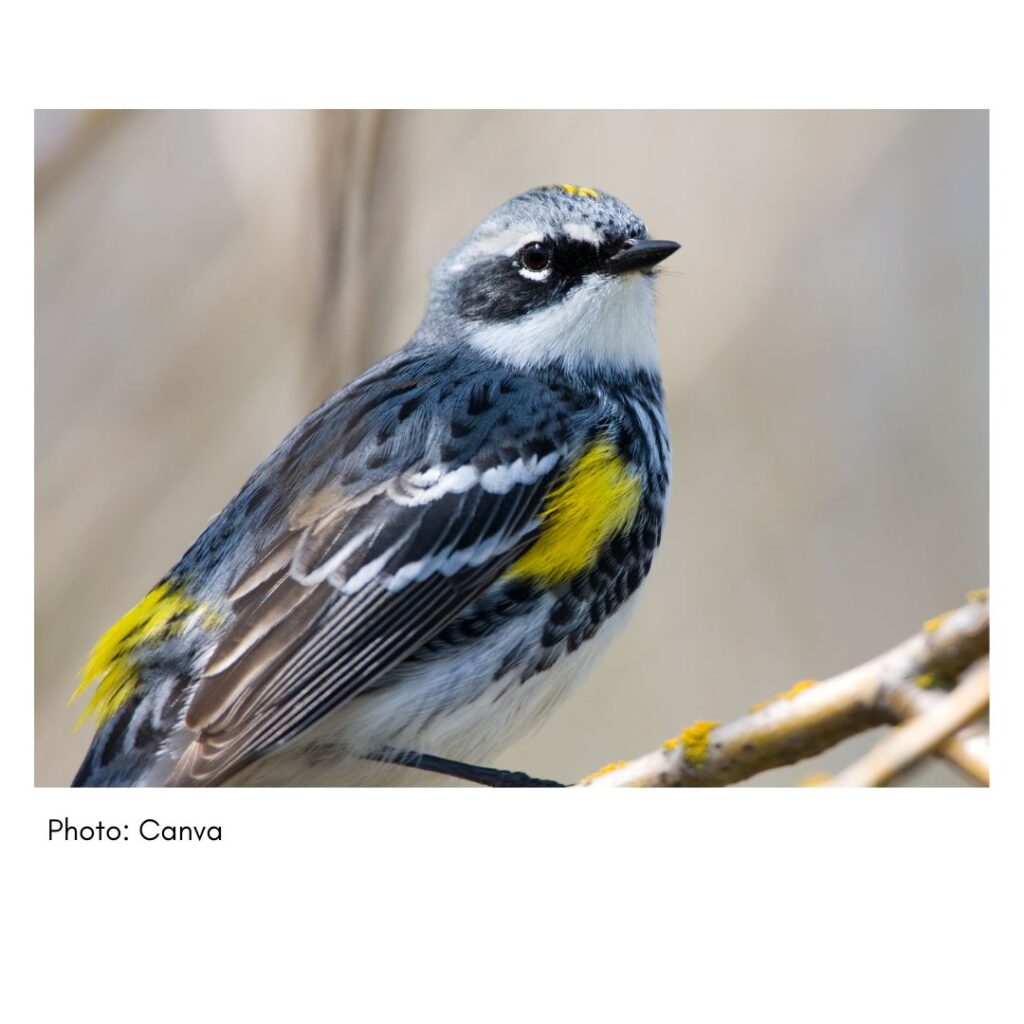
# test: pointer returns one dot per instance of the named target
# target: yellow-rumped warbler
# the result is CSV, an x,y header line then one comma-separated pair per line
x,y
430,561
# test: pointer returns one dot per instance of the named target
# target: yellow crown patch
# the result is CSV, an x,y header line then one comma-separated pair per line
x,y
575,190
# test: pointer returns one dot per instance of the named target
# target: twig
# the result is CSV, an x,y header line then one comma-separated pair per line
x,y
812,716
349,156
909,743
967,750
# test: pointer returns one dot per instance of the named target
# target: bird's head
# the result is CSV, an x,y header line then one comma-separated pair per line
x,y
560,274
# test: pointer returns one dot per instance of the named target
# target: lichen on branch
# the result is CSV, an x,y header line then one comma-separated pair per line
x,y
812,716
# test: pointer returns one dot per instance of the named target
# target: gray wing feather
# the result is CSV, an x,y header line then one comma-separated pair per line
x,y
368,574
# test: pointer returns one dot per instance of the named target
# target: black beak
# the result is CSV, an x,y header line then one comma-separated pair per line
x,y
638,254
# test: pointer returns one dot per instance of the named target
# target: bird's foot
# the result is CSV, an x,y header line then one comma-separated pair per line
x,y
479,774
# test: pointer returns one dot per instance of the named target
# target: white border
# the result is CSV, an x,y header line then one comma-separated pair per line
x,y
516,906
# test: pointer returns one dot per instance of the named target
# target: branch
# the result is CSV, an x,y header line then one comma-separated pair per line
x,y
909,743
813,716
967,750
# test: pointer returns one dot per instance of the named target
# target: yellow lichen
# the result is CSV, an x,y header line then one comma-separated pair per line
x,y
614,766
934,680
933,624
804,684
816,779
694,741
977,596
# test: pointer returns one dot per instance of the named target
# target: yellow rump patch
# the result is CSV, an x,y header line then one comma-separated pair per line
x,y
575,190
598,498
164,612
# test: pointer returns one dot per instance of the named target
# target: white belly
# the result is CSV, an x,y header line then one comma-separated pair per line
x,y
453,709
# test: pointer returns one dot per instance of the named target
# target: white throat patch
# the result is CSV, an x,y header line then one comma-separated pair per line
x,y
606,321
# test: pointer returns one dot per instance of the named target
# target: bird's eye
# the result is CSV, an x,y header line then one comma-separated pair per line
x,y
536,256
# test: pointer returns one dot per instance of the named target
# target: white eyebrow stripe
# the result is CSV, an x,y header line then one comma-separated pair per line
x,y
582,233
507,242
533,236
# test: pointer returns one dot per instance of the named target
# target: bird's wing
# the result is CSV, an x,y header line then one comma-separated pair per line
x,y
352,589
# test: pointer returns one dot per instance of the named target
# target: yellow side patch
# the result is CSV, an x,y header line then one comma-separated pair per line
x,y
164,612
575,190
598,498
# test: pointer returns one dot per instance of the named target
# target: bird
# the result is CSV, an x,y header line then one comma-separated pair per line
x,y
431,561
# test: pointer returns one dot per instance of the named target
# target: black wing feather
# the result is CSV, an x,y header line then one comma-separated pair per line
x,y
310,648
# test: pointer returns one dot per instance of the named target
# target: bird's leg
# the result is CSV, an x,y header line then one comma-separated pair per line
x,y
457,769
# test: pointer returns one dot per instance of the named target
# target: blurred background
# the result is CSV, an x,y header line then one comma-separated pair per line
x,y
205,279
